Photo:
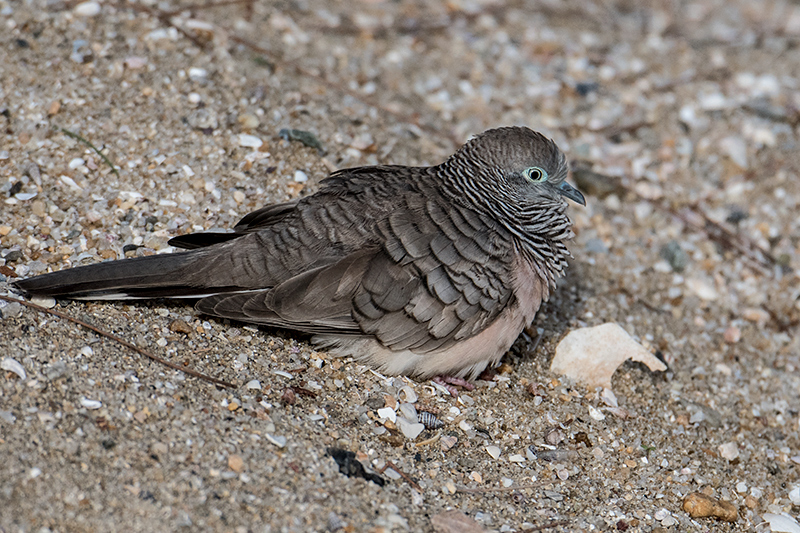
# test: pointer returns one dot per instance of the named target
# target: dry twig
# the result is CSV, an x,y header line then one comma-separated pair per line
x,y
484,490
405,476
108,335
557,523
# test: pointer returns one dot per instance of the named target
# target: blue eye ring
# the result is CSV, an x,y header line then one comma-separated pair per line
x,y
535,174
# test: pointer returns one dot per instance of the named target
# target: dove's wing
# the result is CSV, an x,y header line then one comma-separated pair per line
x,y
440,277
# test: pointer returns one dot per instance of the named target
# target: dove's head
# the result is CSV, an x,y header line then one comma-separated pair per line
x,y
517,178
515,166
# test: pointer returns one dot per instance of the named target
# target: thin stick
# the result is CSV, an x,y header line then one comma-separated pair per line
x,y
469,490
163,16
396,468
720,234
207,5
90,145
558,523
141,351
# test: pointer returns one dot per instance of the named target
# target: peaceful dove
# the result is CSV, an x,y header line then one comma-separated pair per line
x,y
422,271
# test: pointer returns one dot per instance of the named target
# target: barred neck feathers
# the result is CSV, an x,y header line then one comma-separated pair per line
x,y
492,174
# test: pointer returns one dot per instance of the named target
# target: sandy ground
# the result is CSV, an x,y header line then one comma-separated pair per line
x,y
690,241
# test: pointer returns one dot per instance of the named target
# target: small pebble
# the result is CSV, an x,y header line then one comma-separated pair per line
x,y
555,496
736,149
713,102
609,398
11,255
699,505
408,411
596,414
288,396
794,495
596,246
554,436
180,326
391,473
69,182
557,456
675,256
669,521
732,335
55,370
38,208
248,121
305,137
249,141
389,401
335,523
236,463
448,442
135,62
91,404
702,288
493,451
783,523
759,316
87,9
388,413
11,310
410,430
455,521
197,73
280,442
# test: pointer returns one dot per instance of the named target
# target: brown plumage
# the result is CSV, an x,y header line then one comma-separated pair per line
x,y
416,270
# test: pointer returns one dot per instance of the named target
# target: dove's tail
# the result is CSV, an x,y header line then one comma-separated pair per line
x,y
178,275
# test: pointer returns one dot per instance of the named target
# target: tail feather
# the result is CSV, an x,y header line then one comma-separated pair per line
x,y
156,276
192,241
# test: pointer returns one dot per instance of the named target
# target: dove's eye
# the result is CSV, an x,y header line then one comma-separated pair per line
x,y
535,174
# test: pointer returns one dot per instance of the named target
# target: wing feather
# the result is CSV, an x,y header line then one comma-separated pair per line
x,y
420,289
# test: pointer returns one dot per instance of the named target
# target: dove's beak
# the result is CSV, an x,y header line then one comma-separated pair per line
x,y
568,191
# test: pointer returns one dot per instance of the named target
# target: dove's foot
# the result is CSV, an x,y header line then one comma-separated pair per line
x,y
450,383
